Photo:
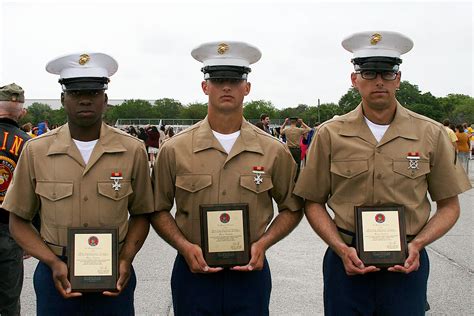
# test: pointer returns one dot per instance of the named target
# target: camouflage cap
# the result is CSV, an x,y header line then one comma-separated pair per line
x,y
12,92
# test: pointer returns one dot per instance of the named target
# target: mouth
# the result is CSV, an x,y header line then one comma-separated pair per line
x,y
85,113
226,97
379,92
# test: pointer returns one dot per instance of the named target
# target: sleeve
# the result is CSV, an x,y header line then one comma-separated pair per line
x,y
141,201
164,178
21,198
283,179
314,181
454,137
447,177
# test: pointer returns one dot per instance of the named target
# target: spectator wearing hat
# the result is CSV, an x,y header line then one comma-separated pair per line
x,y
223,160
380,153
13,139
82,174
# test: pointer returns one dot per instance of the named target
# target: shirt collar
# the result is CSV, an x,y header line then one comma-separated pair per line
x,y
401,125
63,141
247,140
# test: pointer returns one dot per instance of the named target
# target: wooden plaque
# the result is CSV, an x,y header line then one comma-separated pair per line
x,y
380,235
93,259
225,234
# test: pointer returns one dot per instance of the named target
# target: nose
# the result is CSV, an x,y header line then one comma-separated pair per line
x,y
85,100
379,80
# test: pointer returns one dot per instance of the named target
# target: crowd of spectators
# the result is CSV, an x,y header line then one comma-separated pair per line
x,y
152,136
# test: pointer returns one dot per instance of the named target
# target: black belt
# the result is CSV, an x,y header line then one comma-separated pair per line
x,y
349,237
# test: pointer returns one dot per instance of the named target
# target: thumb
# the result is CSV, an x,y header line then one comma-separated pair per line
x,y
66,285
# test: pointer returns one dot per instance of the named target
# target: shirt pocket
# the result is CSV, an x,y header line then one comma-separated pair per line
x,y
349,180
401,167
257,196
56,202
410,184
192,190
113,205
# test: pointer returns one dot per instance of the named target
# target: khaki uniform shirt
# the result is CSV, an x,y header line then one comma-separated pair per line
x,y
293,135
346,167
52,179
193,168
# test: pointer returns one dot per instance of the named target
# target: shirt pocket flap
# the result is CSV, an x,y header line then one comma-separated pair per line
x,y
349,169
248,182
106,189
54,191
402,167
193,182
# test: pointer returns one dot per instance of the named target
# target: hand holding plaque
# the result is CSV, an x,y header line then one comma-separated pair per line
x,y
225,234
380,235
93,259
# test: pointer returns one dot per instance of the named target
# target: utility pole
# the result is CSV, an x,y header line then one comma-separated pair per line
x,y
319,117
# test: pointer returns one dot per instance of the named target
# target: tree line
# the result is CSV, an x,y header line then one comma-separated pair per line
x,y
458,108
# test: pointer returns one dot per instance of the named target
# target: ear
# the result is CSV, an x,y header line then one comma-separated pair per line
x,y
354,80
62,99
399,78
22,113
205,87
248,85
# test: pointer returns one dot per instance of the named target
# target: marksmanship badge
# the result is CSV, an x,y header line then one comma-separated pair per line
x,y
413,158
116,177
258,171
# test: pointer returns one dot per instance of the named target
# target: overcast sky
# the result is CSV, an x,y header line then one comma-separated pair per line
x,y
302,57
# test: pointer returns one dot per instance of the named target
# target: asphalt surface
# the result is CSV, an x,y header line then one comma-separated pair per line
x,y
296,267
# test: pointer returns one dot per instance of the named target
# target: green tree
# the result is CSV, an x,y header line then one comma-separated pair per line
x,y
350,100
459,108
253,109
408,94
58,117
298,111
196,111
167,108
38,112
128,109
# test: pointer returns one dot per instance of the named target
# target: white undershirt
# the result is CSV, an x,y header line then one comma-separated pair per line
x,y
377,130
85,148
226,140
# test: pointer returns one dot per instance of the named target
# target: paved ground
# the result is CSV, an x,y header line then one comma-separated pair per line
x,y
296,265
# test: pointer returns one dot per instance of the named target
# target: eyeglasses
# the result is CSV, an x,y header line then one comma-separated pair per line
x,y
371,75
231,81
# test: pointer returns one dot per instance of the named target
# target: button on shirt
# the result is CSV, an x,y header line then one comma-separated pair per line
x,y
52,178
194,168
347,167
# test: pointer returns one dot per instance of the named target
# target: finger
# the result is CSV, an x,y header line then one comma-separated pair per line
x,y
112,294
245,268
64,284
357,271
354,259
201,263
214,270
73,294
397,268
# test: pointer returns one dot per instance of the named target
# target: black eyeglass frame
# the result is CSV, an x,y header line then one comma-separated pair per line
x,y
385,74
